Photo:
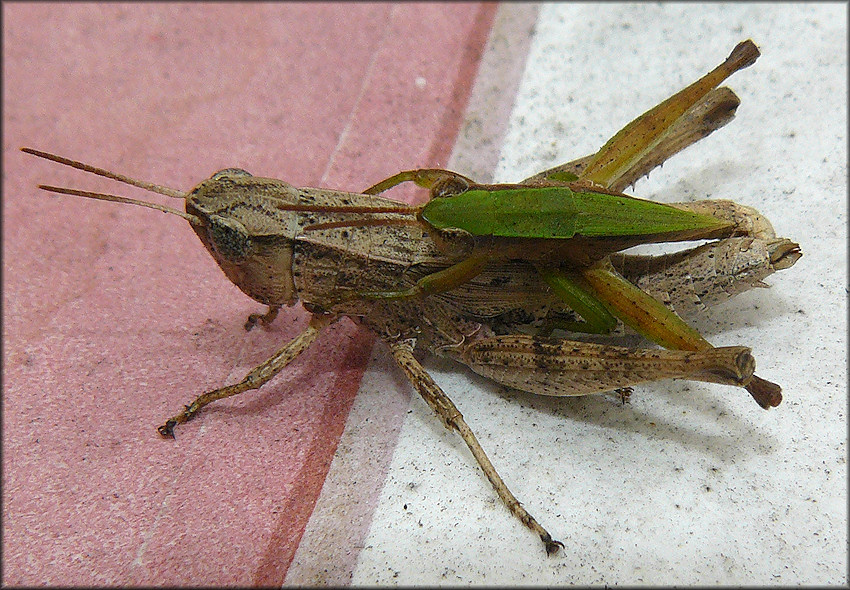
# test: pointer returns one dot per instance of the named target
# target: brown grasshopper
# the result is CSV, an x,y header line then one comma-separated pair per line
x,y
325,248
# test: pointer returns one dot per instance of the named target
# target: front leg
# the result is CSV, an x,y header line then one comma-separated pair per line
x,y
265,319
441,182
257,377
453,420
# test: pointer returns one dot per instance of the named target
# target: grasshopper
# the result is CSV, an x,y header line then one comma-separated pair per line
x,y
339,253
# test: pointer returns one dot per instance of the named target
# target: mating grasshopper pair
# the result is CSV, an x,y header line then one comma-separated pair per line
x,y
437,278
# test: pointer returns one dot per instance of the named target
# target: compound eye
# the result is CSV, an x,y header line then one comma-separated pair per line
x,y
230,172
229,238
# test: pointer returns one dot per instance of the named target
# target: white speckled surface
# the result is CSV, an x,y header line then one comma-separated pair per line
x,y
689,483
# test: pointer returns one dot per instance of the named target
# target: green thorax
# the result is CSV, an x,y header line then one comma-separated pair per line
x,y
560,213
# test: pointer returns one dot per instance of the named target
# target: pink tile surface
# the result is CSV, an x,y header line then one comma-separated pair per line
x,y
114,317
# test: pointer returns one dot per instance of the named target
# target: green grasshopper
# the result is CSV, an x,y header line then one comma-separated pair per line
x,y
568,224
339,253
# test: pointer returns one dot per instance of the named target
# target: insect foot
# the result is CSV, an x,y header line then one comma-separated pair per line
x,y
265,319
167,429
